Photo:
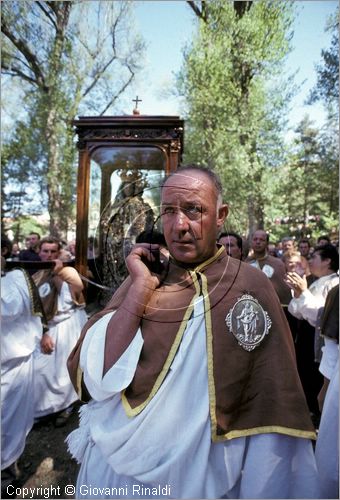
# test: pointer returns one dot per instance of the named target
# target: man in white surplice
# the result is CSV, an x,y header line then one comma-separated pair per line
x,y
60,289
21,333
176,427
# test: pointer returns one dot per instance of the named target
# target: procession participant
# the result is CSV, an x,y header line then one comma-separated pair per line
x,y
233,244
32,251
194,387
6,247
271,249
323,240
60,289
304,248
32,247
308,302
21,331
288,244
272,267
303,335
327,449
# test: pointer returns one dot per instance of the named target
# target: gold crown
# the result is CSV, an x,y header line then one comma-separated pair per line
x,y
131,175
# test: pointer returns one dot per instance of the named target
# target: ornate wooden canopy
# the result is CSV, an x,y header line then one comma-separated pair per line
x,y
155,142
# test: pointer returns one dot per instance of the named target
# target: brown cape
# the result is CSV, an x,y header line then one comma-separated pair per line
x,y
55,281
329,325
250,392
278,278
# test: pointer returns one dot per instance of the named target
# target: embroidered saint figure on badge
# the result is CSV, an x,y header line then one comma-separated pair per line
x,y
248,322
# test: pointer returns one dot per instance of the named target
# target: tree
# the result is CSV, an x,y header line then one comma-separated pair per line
x,y
70,58
327,85
234,111
306,185
330,167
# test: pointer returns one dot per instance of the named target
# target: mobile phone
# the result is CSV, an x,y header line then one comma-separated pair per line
x,y
155,266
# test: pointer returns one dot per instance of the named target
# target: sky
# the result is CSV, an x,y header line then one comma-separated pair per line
x,y
167,25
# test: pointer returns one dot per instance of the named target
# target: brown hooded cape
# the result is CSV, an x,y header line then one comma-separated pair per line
x,y
249,392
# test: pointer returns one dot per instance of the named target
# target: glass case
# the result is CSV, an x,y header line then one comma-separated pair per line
x,y
122,162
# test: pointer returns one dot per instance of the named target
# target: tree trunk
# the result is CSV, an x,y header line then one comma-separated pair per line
x,y
241,7
53,175
56,212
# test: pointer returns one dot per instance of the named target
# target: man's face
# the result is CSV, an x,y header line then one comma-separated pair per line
x,y
259,241
49,251
230,244
72,247
271,249
294,264
318,266
304,249
287,245
33,240
189,216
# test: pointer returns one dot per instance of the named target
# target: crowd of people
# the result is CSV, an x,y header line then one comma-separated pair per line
x,y
43,312
211,373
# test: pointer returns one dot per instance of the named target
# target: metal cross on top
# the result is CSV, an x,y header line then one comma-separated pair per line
x,y
136,101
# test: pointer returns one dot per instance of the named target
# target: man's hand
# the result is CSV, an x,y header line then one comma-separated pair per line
x,y
137,263
124,324
297,283
46,344
58,266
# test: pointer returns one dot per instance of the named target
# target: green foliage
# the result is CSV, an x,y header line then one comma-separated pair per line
x,y
62,72
234,109
307,184
327,85
235,104
26,224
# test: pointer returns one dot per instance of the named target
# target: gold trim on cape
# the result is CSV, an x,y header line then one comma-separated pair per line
x,y
131,412
210,357
209,261
268,429
212,393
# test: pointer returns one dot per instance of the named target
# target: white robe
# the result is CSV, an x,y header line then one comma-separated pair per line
x,y
53,389
168,445
327,445
20,335
312,300
310,304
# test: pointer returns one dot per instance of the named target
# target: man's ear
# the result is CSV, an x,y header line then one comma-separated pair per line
x,y
328,260
222,214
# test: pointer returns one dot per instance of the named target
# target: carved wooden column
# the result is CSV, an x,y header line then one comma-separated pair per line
x,y
83,185
175,153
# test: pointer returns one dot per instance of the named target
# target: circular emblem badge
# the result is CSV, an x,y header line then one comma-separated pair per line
x,y
248,322
44,290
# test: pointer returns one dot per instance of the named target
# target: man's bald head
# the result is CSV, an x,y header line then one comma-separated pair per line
x,y
259,242
210,174
192,214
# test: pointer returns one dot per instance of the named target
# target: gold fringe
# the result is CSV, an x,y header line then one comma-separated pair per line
x,y
268,429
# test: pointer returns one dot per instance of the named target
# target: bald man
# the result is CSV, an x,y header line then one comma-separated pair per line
x,y
271,266
186,368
